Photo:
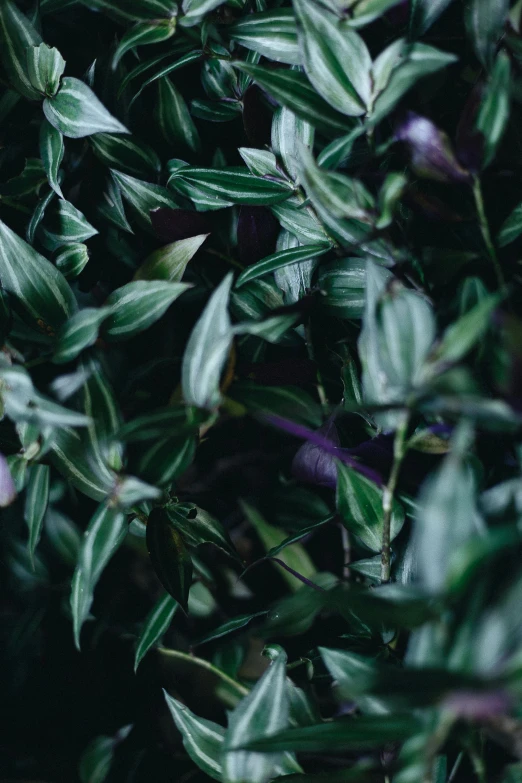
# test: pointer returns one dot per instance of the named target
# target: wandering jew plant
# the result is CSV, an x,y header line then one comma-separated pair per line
x,y
261,390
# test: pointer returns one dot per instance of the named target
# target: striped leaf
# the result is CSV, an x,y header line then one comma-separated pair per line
x,y
74,458
51,151
76,111
187,59
99,404
155,626
66,225
173,117
38,215
235,185
195,10
17,35
104,534
169,556
72,260
110,206
170,262
202,739
279,260
199,527
45,66
63,535
143,197
39,287
136,10
167,459
511,228
137,305
79,332
144,35
207,350
27,183
270,33
293,90
174,420
36,501
126,154
262,713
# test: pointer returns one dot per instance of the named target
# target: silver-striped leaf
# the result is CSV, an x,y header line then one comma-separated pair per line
x,y
72,260
66,225
137,305
45,66
155,625
17,34
143,197
76,111
36,501
79,332
170,262
202,739
126,153
173,117
144,34
51,151
103,536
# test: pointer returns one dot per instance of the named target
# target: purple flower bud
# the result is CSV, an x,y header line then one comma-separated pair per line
x,y
430,150
7,486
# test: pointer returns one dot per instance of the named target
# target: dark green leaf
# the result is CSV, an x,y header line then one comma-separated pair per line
x,y
17,35
485,23
136,306
278,260
271,33
76,111
126,154
51,151
156,624
36,501
202,739
45,66
173,117
170,262
144,35
169,556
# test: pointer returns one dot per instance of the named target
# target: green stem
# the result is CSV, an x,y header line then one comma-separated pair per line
x,y
486,233
203,664
399,451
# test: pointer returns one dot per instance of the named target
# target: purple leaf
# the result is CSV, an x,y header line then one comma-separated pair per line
x,y
430,150
257,231
173,224
477,705
7,486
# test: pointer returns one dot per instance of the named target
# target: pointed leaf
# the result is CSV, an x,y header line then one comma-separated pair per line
x,y
202,739
103,536
156,624
143,35
51,152
235,185
207,350
170,262
279,260
17,35
169,556
76,111
66,225
36,501
136,10
45,66
199,527
40,288
125,153
137,305
79,332
143,196
72,260
270,33
173,117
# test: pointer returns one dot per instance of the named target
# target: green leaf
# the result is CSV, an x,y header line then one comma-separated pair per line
x,y
170,262
336,59
460,337
17,35
272,34
359,502
173,117
485,25
178,420
202,739
136,306
354,676
103,536
289,134
76,111
156,624
216,111
279,260
230,627
143,35
235,185
97,759
187,59
169,556
143,197
493,115
294,556
66,225
511,228
36,501
398,69
38,215
73,455
167,459
199,527
343,284
367,11
79,332
45,66
51,151
72,260
40,288
349,734
424,13
263,712
207,350
125,153
63,535
293,90
288,402
389,195
136,10
446,518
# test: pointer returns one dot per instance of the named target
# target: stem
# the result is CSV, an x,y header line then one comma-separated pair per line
x,y
203,664
399,451
486,233
456,767
345,538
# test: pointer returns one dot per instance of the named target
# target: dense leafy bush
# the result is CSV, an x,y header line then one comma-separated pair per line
x,y
261,390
